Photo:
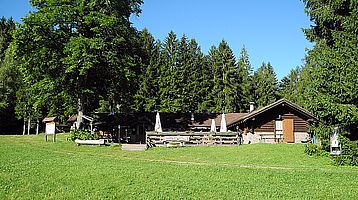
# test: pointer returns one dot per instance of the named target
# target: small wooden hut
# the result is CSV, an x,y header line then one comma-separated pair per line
x,y
50,125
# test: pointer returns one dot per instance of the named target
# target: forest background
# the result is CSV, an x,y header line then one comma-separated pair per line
x,y
85,56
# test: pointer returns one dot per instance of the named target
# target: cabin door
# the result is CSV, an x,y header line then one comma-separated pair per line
x,y
288,127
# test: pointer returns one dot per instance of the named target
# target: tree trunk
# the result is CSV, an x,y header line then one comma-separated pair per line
x,y
24,127
80,110
28,126
37,127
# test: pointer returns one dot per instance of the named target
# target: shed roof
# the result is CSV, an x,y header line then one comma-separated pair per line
x,y
72,118
49,119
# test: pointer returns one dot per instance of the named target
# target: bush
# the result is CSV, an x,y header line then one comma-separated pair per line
x,y
349,155
82,135
314,150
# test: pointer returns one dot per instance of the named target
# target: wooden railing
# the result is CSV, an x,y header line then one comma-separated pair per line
x,y
191,138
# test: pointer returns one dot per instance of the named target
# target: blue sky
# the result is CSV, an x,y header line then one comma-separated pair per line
x,y
269,29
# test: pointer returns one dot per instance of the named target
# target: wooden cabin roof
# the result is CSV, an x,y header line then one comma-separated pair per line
x,y
281,102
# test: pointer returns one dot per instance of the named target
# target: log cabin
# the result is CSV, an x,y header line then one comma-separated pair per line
x,y
281,121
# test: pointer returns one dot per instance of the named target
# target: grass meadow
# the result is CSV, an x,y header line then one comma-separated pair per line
x,y
31,168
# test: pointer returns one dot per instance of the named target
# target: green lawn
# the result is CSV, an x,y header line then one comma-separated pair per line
x,y
31,168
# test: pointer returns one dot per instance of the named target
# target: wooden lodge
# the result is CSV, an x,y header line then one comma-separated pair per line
x,y
281,121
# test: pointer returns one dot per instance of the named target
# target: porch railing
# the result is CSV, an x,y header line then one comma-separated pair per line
x,y
192,138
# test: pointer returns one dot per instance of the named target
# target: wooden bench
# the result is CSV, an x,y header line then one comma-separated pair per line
x,y
95,142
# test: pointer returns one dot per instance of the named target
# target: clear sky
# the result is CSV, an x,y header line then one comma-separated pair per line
x,y
269,29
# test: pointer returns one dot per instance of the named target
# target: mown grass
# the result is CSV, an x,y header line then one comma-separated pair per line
x,y
31,168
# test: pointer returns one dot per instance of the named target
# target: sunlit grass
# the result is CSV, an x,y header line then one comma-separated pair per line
x,y
34,169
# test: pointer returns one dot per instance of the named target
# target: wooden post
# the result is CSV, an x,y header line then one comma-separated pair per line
x,y
37,127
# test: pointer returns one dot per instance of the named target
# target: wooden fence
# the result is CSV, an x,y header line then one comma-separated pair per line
x,y
167,139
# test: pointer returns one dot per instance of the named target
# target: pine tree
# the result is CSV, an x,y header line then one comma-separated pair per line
x,y
191,76
168,76
244,79
265,85
209,103
6,29
197,76
289,87
146,97
330,75
223,95
183,63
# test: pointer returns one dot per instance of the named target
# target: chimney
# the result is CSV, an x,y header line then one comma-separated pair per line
x,y
252,106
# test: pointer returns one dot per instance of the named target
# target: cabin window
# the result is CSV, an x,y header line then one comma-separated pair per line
x,y
278,127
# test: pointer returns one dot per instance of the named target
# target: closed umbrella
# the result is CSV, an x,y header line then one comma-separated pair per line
x,y
213,126
223,127
158,125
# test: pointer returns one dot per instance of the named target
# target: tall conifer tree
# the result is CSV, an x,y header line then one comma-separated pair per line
x,y
168,81
244,79
330,76
265,85
146,97
224,93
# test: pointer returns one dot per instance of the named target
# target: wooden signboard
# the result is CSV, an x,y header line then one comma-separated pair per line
x,y
50,128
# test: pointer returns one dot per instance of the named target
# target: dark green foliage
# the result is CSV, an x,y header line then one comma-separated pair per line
x,y
289,87
76,53
7,26
82,135
222,96
265,85
193,74
10,78
349,154
314,150
169,93
244,80
146,97
330,77
84,56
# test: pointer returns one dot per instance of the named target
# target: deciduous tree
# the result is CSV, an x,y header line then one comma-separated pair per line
x,y
75,53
